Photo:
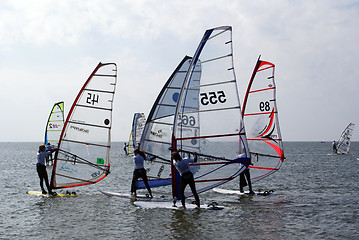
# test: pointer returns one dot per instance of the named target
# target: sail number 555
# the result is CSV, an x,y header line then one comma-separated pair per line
x,y
213,98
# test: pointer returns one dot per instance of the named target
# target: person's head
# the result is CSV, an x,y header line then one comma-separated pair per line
x,y
176,156
48,143
42,148
136,151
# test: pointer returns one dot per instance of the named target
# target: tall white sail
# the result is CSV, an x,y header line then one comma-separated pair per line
x,y
84,146
210,102
343,145
260,115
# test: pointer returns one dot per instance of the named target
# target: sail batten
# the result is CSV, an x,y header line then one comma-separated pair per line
x,y
91,125
212,84
99,108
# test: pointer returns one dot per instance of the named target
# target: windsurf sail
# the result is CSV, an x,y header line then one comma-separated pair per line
x,y
54,124
84,146
343,144
138,124
156,136
260,114
208,117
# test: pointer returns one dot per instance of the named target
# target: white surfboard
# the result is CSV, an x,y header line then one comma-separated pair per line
x,y
169,205
228,191
127,195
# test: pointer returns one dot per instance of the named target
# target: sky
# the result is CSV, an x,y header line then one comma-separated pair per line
x,y
49,48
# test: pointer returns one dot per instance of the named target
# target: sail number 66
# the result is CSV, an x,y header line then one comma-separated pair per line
x,y
213,97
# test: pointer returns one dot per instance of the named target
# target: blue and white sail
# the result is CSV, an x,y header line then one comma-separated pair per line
x,y
138,124
156,137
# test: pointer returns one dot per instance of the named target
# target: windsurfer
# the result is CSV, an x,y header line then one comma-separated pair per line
x,y
245,175
125,148
182,166
139,172
41,168
334,147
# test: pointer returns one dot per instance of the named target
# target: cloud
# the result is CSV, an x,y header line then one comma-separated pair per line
x,y
58,43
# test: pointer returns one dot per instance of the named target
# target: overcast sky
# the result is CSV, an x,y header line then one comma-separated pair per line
x,y
49,48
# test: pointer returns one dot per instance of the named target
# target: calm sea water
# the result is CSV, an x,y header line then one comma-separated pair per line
x,y
317,198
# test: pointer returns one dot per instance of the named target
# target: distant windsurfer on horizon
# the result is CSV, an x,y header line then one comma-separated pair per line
x,y
139,172
182,166
41,168
335,150
125,148
245,175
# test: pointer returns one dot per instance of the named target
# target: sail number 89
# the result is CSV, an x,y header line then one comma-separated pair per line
x,y
264,106
213,97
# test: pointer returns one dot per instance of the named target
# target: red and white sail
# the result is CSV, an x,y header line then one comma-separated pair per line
x,y
260,115
84,146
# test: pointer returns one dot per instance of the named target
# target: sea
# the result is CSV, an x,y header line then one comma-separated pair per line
x,y
316,197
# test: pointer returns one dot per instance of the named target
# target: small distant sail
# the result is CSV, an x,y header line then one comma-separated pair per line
x,y
84,146
343,144
138,124
260,115
54,124
208,116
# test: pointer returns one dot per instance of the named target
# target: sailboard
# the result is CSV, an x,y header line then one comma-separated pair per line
x,y
343,145
198,110
84,145
260,114
138,124
237,192
170,205
54,124
127,195
40,194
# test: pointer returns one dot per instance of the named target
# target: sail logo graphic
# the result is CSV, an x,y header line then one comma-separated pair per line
x,y
80,129
54,125
267,132
158,133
